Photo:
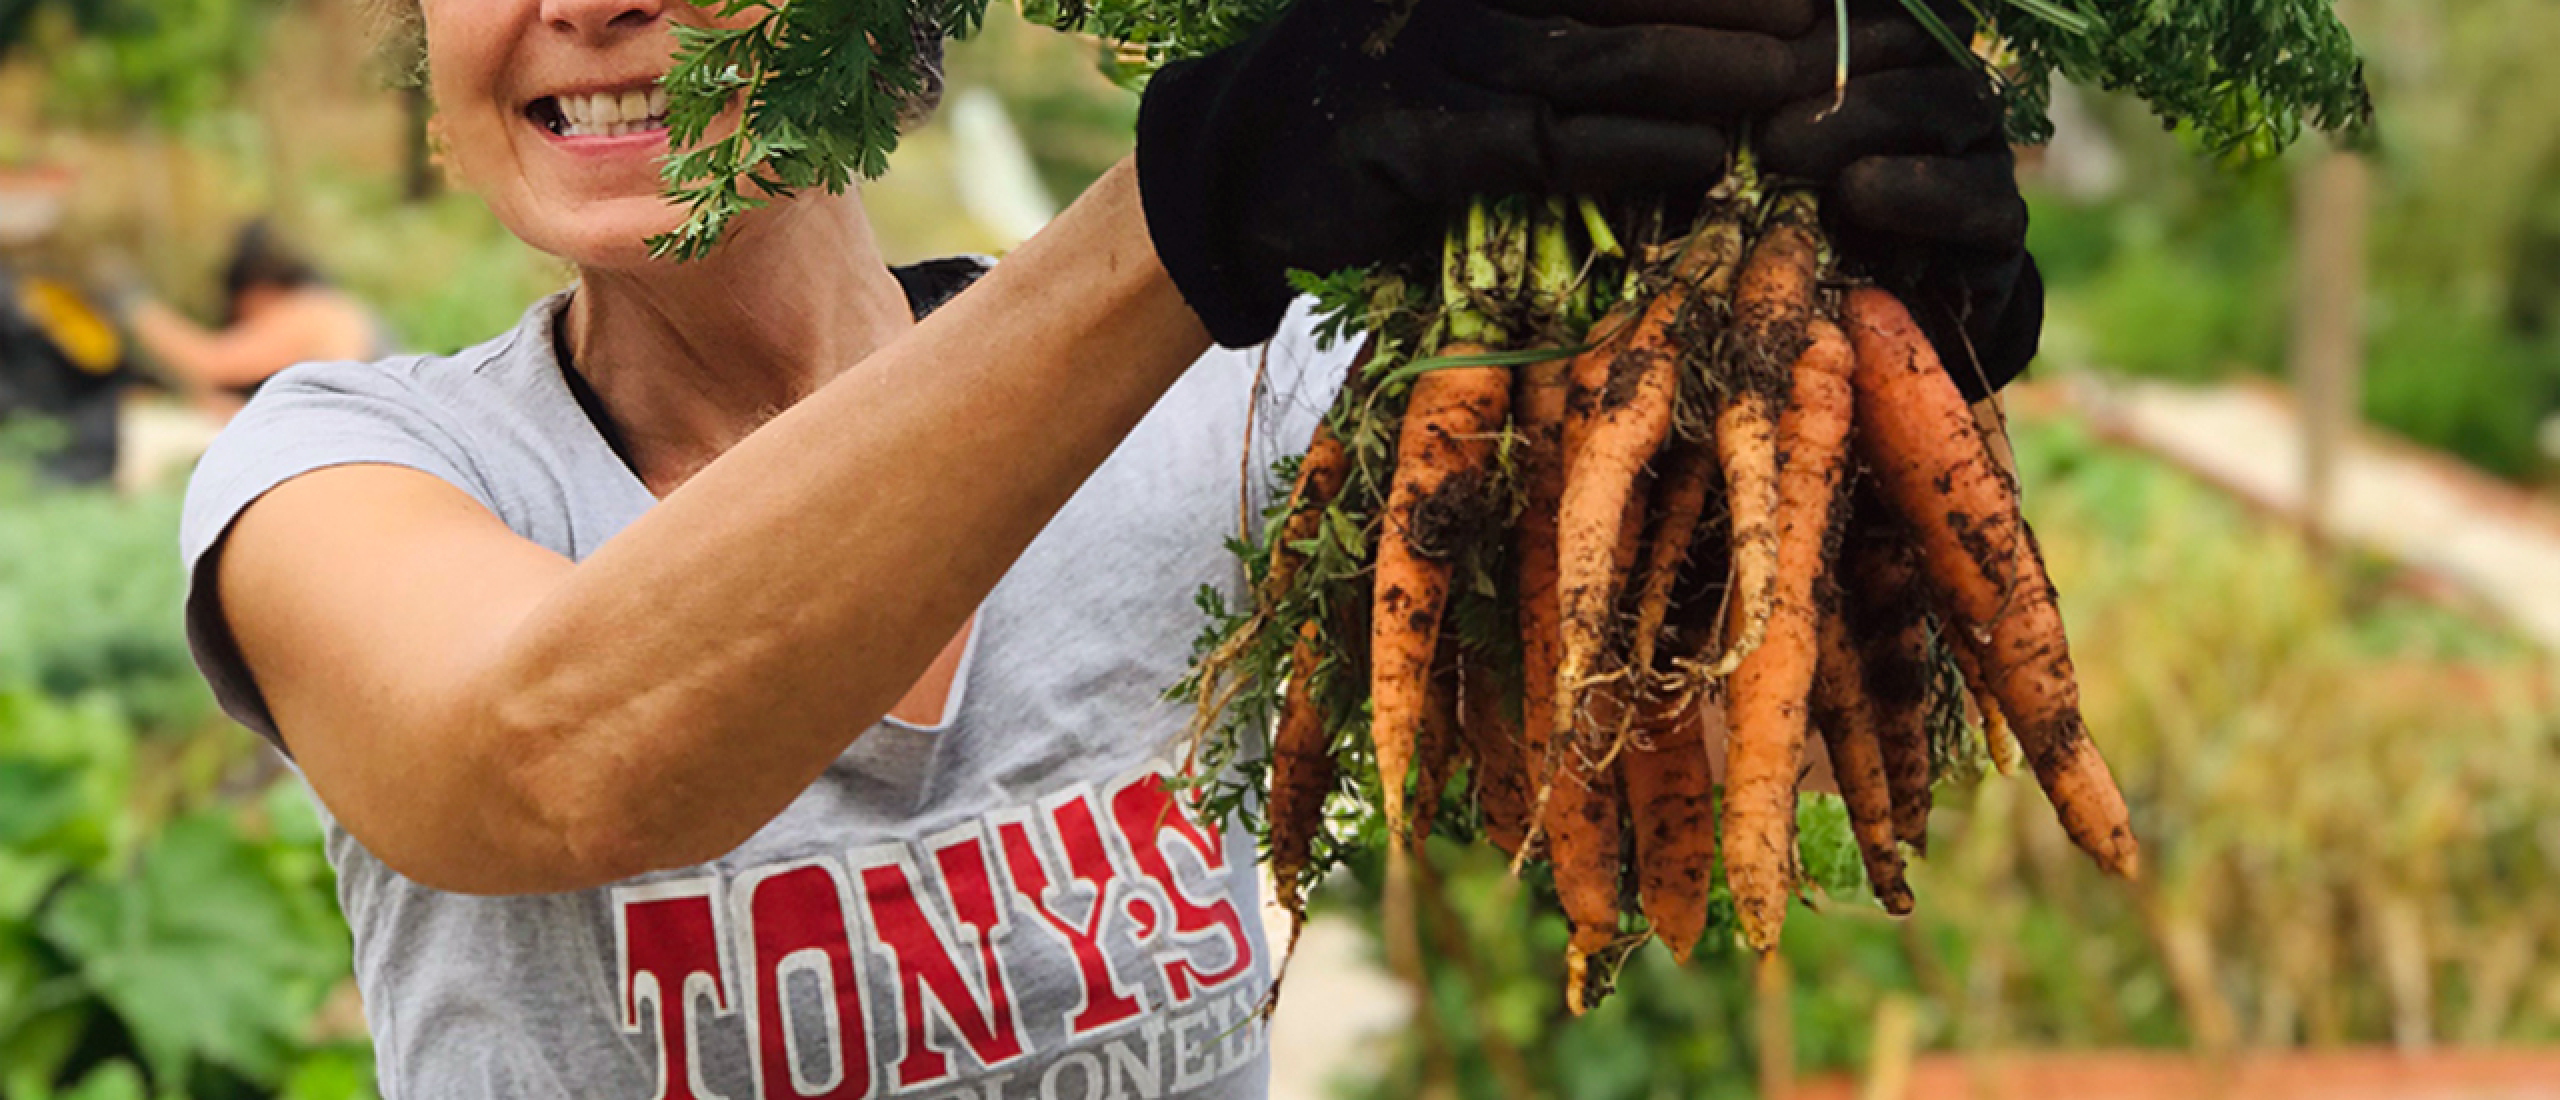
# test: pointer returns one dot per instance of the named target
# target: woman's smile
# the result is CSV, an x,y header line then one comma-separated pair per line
x,y
605,119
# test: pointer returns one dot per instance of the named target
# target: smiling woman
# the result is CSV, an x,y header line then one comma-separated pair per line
x,y
724,616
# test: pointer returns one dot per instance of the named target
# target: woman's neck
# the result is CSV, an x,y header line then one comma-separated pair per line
x,y
689,358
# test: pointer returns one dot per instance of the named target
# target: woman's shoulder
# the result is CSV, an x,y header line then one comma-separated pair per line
x,y
427,379
437,413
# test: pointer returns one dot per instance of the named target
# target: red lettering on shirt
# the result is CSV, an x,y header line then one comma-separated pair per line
x,y
1147,815
669,938
927,955
796,924
1103,1001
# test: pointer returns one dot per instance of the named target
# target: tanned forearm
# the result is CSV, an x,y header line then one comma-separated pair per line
x,y
781,600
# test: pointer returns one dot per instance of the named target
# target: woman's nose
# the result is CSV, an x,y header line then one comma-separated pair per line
x,y
601,22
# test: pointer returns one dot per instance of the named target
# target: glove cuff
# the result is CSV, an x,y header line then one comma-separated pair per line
x,y
1179,181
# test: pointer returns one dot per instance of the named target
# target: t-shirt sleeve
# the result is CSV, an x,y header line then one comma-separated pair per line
x,y
1300,376
311,417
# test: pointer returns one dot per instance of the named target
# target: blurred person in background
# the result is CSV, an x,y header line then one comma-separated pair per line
x,y
277,311
62,361
744,677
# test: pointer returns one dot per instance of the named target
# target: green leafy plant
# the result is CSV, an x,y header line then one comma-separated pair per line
x,y
2245,74
168,922
167,60
821,83
89,601
185,941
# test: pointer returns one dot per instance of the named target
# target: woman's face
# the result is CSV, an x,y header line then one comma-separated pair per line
x,y
550,110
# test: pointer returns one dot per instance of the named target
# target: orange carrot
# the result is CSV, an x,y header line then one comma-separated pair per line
x,y
1886,611
1502,788
1541,397
1302,774
1442,747
1847,719
1670,795
1585,378
1938,474
1586,845
1587,839
1442,454
1772,305
1679,501
1768,692
1630,419
1320,476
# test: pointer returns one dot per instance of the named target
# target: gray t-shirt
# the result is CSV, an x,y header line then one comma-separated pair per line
x,y
1008,906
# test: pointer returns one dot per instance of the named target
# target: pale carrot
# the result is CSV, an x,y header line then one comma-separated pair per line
x,y
1772,307
1630,419
1767,695
1998,742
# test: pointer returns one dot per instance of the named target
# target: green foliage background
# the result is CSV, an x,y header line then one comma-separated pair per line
x,y
167,921
2185,271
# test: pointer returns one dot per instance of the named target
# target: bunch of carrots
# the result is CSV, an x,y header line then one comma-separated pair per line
x,y
1592,496
1595,487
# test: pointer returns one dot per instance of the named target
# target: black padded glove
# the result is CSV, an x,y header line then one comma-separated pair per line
x,y
1302,148
1923,198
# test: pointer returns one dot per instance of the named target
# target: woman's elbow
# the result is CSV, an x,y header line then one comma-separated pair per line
x,y
572,808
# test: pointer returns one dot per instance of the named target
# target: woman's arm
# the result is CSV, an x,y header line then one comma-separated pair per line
x,y
487,717
237,357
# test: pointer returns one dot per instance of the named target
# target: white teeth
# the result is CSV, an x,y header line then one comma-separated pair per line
x,y
612,114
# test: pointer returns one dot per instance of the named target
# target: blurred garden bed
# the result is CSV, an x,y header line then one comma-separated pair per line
x,y
167,923
2360,1074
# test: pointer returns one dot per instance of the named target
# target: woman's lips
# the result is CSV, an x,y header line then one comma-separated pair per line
x,y
652,138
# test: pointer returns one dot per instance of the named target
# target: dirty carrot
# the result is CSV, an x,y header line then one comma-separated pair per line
x,y
1772,305
1320,476
1586,846
1539,402
1842,710
1678,502
1934,468
1886,609
1629,421
1302,773
1437,499
1441,749
1492,736
1767,695
1670,803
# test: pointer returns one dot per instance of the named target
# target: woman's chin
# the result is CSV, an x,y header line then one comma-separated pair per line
x,y
606,235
